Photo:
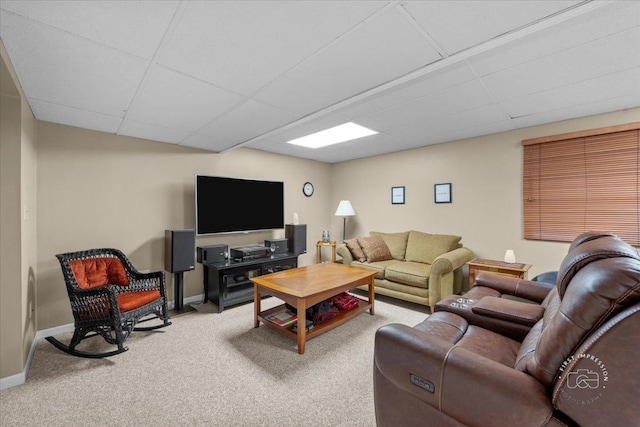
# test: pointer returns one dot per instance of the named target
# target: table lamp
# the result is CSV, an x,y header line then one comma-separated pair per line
x,y
345,210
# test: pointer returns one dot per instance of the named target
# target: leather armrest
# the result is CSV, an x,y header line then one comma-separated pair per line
x,y
512,311
506,327
534,291
470,388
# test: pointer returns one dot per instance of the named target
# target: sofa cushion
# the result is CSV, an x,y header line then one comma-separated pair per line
x,y
374,248
424,247
379,267
132,300
397,243
409,273
401,291
355,249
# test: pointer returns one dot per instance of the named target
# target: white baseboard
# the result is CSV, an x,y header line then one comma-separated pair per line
x,y
12,381
19,379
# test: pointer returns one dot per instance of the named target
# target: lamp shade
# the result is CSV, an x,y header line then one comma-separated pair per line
x,y
345,209
509,256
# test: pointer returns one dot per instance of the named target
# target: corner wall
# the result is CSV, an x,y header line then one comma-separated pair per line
x,y
17,224
10,248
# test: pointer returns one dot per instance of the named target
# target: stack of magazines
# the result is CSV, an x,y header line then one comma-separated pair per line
x,y
284,317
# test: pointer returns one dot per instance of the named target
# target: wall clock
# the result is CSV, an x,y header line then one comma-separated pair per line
x,y
307,189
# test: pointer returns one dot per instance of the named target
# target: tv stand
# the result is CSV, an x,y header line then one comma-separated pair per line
x,y
229,283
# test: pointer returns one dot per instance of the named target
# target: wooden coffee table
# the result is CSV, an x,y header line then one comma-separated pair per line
x,y
305,286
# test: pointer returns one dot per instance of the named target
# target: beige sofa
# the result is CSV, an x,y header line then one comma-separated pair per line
x,y
413,266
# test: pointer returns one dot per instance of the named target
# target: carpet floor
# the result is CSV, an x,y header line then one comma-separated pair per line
x,y
210,369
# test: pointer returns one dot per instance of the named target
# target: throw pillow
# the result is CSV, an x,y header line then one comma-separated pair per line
x,y
397,243
424,247
355,249
374,248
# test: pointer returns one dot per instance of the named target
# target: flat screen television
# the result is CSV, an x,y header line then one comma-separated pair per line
x,y
234,205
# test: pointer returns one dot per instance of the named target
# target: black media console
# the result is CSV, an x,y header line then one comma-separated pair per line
x,y
228,283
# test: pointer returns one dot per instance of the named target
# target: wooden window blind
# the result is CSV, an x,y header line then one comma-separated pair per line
x,y
583,181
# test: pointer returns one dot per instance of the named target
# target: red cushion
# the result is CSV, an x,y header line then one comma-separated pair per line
x,y
127,302
95,272
132,300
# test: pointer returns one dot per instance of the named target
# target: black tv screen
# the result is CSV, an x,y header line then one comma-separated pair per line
x,y
232,205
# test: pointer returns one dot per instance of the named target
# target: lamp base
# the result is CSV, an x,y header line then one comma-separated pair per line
x,y
344,229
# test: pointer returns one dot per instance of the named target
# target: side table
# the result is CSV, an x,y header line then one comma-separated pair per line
x,y
319,246
511,269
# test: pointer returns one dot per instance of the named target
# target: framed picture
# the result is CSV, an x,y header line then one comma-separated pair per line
x,y
397,195
442,193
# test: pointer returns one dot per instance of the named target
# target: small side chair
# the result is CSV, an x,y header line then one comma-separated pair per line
x,y
109,297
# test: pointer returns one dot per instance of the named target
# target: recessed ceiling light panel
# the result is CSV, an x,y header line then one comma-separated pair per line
x,y
334,135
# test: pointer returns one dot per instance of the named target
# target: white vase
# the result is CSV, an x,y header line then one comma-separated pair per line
x,y
295,218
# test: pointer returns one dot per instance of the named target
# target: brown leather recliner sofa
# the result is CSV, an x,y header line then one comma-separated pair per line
x,y
576,366
499,303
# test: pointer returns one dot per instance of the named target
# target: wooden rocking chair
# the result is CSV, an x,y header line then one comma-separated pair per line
x,y
109,297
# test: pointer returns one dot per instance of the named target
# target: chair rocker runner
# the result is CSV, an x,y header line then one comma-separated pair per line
x,y
109,297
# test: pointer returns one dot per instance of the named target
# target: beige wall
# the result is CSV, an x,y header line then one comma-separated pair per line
x,y
486,178
17,225
10,327
102,190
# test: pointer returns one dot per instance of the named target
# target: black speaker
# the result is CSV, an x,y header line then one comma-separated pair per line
x,y
296,234
212,253
179,250
277,246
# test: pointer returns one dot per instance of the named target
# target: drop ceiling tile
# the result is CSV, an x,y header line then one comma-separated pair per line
x,y
475,131
378,51
66,70
457,25
604,56
247,121
374,145
152,132
429,128
600,88
438,80
244,45
53,113
606,20
465,96
631,100
173,100
136,27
